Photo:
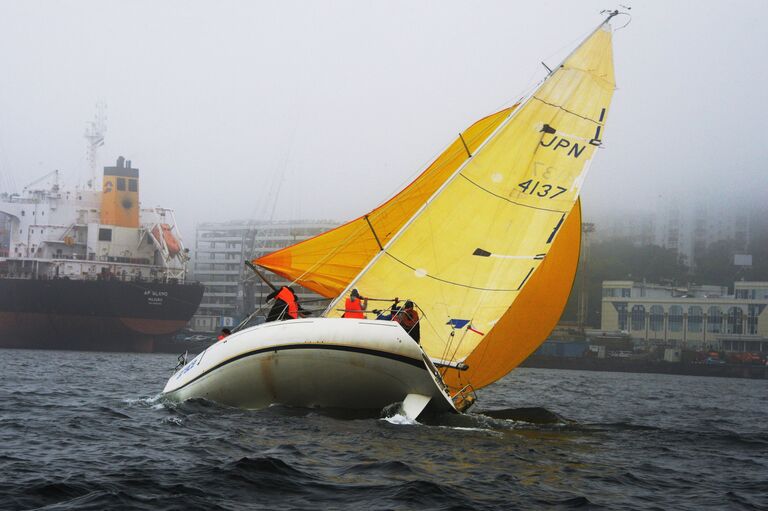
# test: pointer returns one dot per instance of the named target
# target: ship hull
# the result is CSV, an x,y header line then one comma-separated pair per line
x,y
323,362
101,315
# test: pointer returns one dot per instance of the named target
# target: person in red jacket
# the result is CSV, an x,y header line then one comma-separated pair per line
x,y
355,305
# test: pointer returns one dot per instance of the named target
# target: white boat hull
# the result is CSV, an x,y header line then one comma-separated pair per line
x,y
322,362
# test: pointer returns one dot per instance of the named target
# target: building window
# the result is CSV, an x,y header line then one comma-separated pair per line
x,y
105,234
133,185
121,184
638,318
657,318
714,320
609,292
695,319
626,292
753,312
735,324
621,309
675,318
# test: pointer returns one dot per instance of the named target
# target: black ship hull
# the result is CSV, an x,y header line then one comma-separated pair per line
x,y
101,315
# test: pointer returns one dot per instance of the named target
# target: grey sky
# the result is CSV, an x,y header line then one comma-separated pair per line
x,y
348,100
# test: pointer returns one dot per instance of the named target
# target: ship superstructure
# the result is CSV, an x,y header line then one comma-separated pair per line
x,y
90,269
89,234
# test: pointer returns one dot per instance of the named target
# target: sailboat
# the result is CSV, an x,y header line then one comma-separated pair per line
x,y
485,242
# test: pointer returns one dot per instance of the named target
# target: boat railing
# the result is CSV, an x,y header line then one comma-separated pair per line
x,y
464,397
182,361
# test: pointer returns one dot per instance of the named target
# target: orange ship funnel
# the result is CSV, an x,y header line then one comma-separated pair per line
x,y
120,195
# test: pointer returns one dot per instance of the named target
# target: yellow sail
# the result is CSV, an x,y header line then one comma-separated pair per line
x,y
327,263
469,255
515,336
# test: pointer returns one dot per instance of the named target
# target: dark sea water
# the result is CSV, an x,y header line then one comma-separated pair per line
x,y
87,431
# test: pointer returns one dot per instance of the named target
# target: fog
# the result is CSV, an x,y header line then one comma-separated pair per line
x,y
338,104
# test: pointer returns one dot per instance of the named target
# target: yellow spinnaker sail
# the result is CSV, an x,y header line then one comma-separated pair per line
x,y
531,317
469,255
327,263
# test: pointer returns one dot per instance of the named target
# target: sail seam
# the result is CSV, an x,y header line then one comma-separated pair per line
x,y
510,200
567,111
450,281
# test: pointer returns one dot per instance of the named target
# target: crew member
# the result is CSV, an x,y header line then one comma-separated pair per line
x,y
355,305
388,314
225,332
409,320
286,305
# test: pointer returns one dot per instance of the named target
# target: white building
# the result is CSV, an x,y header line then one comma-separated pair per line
x,y
695,317
232,291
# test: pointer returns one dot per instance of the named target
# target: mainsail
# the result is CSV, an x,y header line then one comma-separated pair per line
x,y
487,245
327,263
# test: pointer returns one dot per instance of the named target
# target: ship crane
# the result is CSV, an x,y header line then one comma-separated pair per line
x,y
54,173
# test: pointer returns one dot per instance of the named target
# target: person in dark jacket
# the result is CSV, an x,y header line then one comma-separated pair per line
x,y
409,320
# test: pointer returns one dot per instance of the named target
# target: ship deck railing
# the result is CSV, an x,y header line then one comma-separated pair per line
x,y
97,277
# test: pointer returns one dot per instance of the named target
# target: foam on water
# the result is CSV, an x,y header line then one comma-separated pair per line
x,y
401,420
155,402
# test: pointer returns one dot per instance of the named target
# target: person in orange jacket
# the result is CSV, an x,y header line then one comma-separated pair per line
x,y
355,305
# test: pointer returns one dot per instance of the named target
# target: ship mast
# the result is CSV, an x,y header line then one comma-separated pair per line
x,y
94,134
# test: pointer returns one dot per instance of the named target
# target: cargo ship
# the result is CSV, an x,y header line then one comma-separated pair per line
x,y
89,269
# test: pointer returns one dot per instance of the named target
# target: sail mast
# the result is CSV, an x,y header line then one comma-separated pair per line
x,y
458,171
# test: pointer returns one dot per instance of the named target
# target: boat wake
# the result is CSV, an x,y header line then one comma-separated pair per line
x,y
501,420
485,421
401,420
532,415
155,402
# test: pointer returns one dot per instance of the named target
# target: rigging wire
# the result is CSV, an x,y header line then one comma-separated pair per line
x,y
377,212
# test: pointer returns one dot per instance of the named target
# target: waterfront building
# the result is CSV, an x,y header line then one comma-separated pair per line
x,y
693,317
232,290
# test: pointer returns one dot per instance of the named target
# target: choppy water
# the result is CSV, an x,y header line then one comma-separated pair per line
x,y
86,431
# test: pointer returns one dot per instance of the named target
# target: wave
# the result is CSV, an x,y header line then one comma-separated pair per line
x,y
694,436
388,468
532,415
571,503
